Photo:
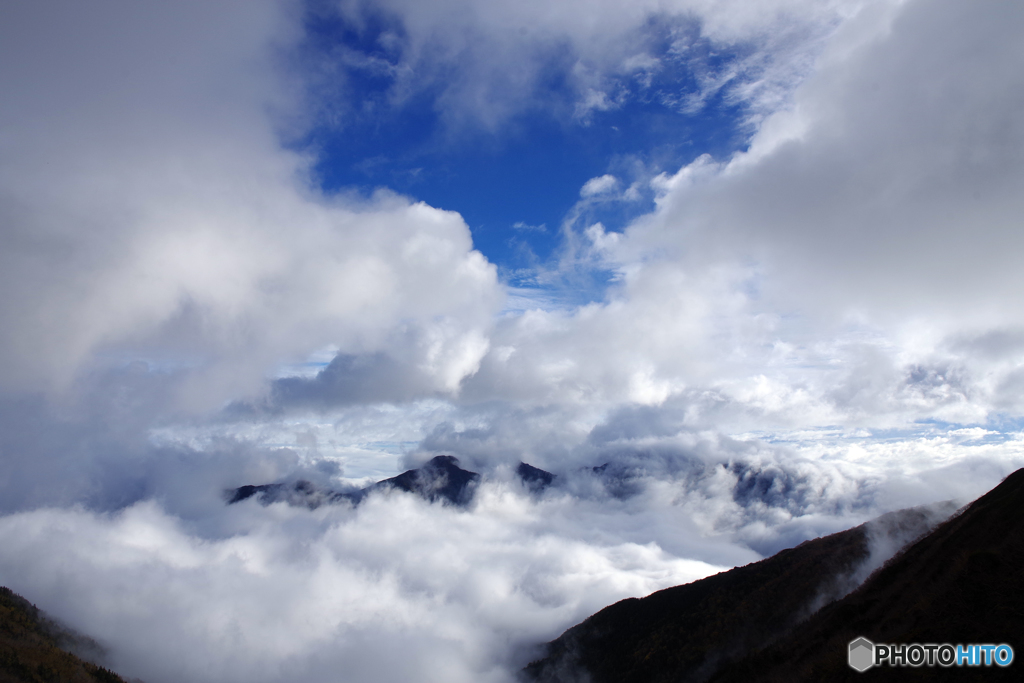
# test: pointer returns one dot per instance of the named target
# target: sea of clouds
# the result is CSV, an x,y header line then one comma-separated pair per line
x,y
819,329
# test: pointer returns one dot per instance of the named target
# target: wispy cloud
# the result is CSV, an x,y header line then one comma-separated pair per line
x,y
783,341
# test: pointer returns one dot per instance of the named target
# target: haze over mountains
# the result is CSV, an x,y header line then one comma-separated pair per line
x,y
789,618
685,283
34,649
909,576
440,478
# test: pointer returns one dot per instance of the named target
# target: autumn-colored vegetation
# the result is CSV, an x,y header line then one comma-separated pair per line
x,y
31,648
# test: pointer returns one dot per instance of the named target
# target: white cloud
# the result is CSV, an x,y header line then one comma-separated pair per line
x,y
402,589
153,213
519,225
782,340
303,595
599,185
888,184
828,275
490,59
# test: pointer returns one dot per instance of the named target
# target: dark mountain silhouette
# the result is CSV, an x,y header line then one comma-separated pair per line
x,y
34,649
534,478
961,583
301,493
440,479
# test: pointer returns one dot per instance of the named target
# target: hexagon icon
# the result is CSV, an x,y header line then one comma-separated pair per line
x,y
862,654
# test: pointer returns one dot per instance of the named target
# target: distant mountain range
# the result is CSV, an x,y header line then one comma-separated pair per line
x,y
787,618
961,583
443,480
440,479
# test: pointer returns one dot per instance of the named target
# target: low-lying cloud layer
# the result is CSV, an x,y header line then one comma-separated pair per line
x,y
818,329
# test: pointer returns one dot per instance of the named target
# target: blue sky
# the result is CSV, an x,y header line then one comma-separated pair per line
x,y
777,290
528,169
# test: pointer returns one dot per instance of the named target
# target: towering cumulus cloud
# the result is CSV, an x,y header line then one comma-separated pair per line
x,y
780,299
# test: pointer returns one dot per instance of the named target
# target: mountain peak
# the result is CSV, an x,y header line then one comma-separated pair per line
x,y
440,479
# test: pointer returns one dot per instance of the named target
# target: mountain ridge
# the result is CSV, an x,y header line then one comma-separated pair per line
x,y
737,625
34,648
962,583
440,479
